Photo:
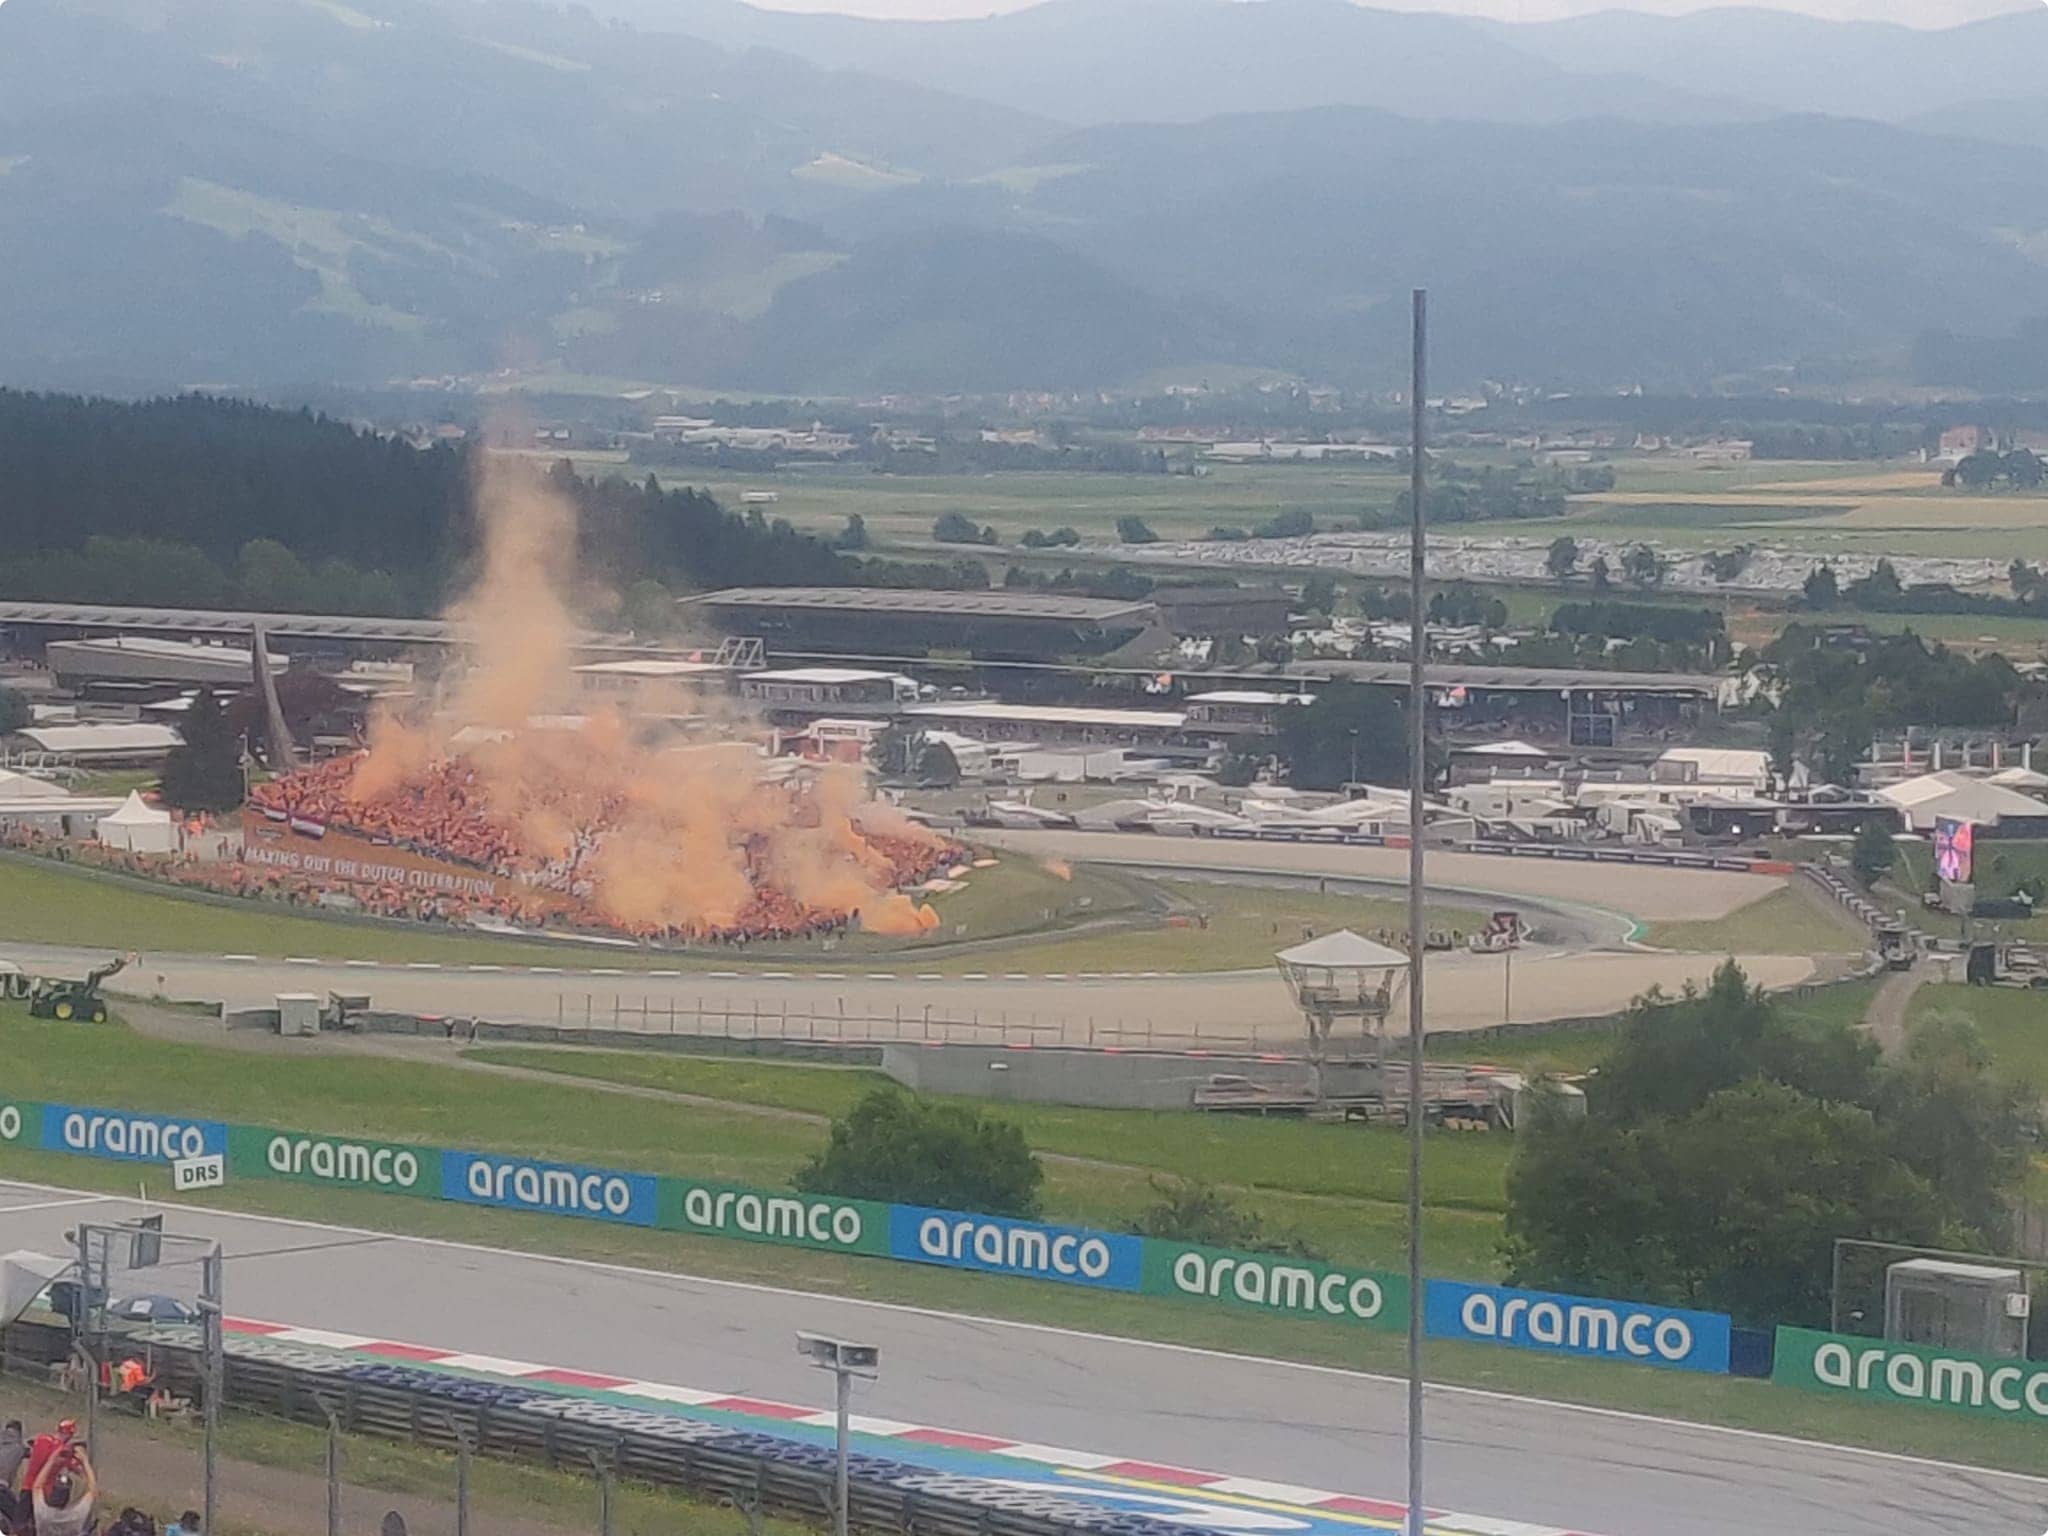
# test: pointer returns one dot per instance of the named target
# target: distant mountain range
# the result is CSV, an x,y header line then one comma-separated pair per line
x,y
270,192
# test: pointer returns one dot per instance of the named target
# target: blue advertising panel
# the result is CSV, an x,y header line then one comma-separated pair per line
x,y
558,1189
1577,1325
129,1136
999,1246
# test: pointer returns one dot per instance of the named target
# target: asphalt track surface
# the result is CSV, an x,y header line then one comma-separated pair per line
x,y
1581,965
1586,1470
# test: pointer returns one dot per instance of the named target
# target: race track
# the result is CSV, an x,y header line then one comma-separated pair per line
x,y
1218,1009
1581,1470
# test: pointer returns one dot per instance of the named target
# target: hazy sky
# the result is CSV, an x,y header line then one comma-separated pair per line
x,y
1912,13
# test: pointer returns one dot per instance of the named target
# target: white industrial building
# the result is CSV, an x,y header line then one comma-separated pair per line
x,y
1923,801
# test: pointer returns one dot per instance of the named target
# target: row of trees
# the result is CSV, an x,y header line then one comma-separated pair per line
x,y
1832,700
1984,470
1728,1142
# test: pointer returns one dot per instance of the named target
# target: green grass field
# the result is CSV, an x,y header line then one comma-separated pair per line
x,y
1245,925
1785,923
2014,1025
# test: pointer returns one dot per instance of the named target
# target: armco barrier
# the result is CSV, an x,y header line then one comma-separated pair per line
x,y
1886,1371
779,1475
1112,1261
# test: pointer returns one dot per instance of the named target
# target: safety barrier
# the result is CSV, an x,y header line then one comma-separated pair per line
x,y
773,1474
1276,1284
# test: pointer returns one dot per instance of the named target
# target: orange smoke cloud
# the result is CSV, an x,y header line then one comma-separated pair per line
x,y
652,836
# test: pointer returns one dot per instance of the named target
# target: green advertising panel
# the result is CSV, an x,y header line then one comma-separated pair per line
x,y
21,1123
340,1162
1269,1282
1887,1371
774,1216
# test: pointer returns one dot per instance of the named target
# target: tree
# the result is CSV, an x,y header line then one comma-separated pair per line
x,y
204,773
1601,572
1643,565
1289,523
1351,733
1979,471
1131,529
14,711
1562,558
1319,593
1820,589
1724,565
2027,580
1275,650
955,528
1196,1211
1881,586
1726,1144
897,748
1873,852
937,766
893,1146
2024,470
854,536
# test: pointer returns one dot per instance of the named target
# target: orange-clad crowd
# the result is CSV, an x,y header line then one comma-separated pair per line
x,y
442,814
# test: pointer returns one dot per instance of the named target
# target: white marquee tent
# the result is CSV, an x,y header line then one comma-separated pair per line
x,y
139,828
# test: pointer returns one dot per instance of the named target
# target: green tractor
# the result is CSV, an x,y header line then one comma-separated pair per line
x,y
75,999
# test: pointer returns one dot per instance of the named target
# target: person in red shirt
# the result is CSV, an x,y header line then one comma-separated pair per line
x,y
45,1446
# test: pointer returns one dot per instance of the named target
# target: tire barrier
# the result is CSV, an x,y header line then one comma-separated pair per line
x,y
515,1422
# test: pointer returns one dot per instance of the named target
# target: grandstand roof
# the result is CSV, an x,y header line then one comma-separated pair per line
x,y
916,602
1494,677
1052,714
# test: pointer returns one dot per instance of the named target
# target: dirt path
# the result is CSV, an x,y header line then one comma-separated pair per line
x,y
1886,1020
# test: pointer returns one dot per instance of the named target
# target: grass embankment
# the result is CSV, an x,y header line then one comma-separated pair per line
x,y
397,1099
1340,1187
1007,918
2014,1024
1783,923
46,903
1217,926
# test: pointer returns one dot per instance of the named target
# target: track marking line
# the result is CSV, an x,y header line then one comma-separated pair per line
x,y
54,1205
1050,1330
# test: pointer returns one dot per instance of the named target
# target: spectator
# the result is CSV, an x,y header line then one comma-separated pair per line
x,y
13,1452
63,1494
186,1524
44,1448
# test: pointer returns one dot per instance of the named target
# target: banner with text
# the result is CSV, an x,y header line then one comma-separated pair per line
x,y
1577,1325
1887,1371
1266,1282
776,1216
341,1162
996,1245
129,1136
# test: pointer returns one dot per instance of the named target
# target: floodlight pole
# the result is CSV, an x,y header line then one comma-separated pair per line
x,y
1417,769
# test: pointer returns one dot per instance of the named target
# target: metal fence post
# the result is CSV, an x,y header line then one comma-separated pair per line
x,y
462,1455
333,1472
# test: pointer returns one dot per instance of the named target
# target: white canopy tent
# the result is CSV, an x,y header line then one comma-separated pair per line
x,y
139,828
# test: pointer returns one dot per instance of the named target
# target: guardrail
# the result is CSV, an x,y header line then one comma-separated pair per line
x,y
771,1473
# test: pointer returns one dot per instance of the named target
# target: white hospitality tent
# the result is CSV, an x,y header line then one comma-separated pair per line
x,y
138,828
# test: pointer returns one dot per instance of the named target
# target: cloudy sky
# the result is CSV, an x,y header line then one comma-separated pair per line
x,y
1912,13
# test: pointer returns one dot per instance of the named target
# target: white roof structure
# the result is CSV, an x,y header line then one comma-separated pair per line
x,y
2023,779
1961,796
1728,765
136,812
825,675
651,667
1342,951
1504,749
22,786
1052,714
102,740
1249,696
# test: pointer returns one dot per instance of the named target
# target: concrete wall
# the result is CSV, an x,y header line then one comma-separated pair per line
x,y
1096,1079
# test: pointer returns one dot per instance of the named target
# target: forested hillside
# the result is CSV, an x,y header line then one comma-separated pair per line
x,y
200,502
